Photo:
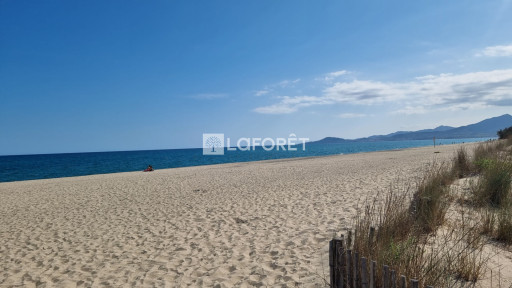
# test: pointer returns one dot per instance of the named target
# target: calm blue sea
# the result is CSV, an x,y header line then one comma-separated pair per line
x,y
28,167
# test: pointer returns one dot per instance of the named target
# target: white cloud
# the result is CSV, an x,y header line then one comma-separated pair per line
x,y
351,115
333,75
261,92
496,51
439,92
291,104
287,83
276,109
364,92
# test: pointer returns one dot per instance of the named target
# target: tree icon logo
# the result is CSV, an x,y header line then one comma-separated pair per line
x,y
213,144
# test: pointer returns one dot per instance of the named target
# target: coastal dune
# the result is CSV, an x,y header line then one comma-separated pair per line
x,y
263,223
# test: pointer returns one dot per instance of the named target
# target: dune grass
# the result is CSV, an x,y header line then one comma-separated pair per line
x,y
407,237
493,185
406,227
411,233
492,190
429,204
462,165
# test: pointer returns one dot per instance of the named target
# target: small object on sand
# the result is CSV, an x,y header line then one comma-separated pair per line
x,y
240,221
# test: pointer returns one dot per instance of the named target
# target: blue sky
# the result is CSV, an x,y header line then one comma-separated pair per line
x,y
81,76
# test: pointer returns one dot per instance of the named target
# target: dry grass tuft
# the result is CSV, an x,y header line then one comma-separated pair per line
x,y
503,231
462,166
494,184
430,201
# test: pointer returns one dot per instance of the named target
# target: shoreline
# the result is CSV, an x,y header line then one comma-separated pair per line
x,y
254,161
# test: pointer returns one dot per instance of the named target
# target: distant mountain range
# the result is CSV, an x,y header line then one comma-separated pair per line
x,y
482,129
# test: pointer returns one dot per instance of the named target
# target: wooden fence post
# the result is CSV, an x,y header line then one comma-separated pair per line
x,y
371,239
364,273
339,262
348,273
332,256
356,268
404,282
393,279
373,274
385,276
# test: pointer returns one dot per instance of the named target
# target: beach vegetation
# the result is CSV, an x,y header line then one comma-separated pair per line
x,y
493,185
411,243
429,204
462,165
419,230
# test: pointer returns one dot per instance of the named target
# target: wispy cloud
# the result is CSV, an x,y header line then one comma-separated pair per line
x,y
440,92
261,92
351,115
291,104
411,110
333,75
277,86
496,51
287,83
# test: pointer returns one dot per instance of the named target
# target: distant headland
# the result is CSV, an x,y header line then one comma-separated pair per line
x,y
482,129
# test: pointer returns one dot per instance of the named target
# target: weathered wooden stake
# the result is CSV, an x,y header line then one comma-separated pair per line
x,y
373,274
414,283
332,257
385,276
339,262
356,269
364,273
393,279
349,268
403,281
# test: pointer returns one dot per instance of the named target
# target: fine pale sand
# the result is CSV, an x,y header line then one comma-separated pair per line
x,y
262,223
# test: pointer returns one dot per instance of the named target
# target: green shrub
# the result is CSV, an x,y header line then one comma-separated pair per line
x,y
484,164
505,133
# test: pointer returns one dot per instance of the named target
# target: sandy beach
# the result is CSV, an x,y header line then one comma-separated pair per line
x,y
250,224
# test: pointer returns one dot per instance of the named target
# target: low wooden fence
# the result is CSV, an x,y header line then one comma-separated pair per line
x,y
348,270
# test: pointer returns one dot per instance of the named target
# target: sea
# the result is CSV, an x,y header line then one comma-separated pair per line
x,y
44,166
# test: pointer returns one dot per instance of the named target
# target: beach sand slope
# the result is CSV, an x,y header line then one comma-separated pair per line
x,y
243,224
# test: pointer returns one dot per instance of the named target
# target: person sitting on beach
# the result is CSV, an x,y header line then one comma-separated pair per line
x,y
150,168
